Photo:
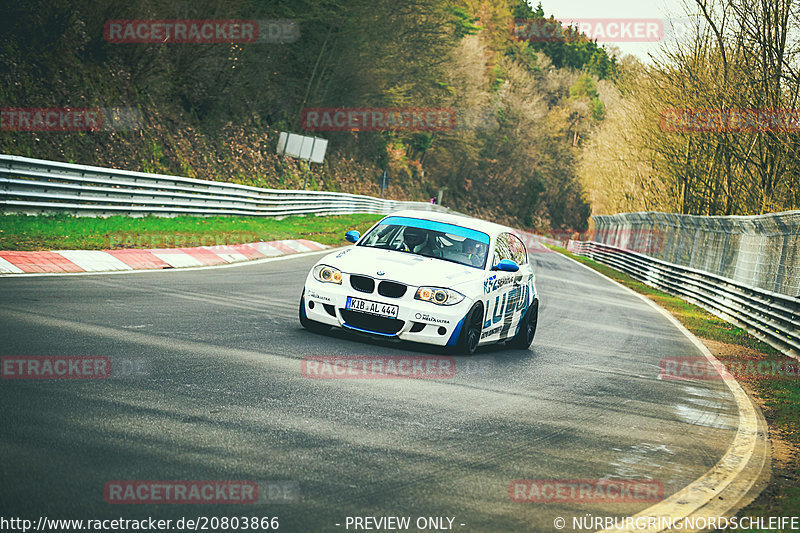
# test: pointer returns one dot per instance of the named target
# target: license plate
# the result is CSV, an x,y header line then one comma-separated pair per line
x,y
373,308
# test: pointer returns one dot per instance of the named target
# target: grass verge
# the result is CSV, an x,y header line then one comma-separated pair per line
x,y
778,395
67,232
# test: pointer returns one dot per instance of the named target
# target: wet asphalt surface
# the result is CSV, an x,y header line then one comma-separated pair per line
x,y
213,390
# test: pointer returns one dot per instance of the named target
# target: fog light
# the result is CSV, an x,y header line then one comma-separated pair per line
x,y
311,305
442,330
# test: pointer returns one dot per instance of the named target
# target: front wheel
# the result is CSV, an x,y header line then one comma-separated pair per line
x,y
311,325
471,331
524,337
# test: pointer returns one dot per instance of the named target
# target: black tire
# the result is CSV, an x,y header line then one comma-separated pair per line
x,y
310,325
470,331
524,337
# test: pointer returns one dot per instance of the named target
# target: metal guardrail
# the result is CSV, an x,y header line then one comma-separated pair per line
x,y
772,317
758,251
39,186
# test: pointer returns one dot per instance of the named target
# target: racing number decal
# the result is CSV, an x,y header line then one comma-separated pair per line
x,y
505,307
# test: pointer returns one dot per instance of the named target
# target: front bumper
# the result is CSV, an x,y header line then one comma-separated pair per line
x,y
416,321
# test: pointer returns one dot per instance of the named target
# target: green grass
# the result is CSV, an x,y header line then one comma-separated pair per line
x,y
780,397
66,232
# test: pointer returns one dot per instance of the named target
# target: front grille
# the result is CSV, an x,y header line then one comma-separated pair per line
x,y
390,289
368,322
362,283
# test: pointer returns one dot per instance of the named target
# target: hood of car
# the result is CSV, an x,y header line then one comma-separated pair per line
x,y
401,266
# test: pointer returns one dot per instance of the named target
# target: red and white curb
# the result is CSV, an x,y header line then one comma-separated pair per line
x,y
135,259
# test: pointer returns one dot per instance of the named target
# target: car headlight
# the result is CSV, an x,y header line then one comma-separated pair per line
x,y
327,274
439,296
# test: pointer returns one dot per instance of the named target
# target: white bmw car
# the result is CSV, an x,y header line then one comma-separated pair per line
x,y
427,277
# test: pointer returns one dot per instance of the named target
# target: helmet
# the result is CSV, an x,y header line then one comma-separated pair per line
x,y
475,251
413,237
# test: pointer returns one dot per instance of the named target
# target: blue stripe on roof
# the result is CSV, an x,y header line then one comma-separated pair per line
x,y
437,226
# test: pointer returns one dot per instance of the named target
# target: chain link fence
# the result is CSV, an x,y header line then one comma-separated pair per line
x,y
759,251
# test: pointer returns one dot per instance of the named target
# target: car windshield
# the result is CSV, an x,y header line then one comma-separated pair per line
x,y
427,238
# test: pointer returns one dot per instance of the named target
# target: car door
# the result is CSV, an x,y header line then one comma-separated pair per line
x,y
522,292
502,293
518,288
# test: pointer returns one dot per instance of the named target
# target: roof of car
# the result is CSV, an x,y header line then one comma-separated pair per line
x,y
458,220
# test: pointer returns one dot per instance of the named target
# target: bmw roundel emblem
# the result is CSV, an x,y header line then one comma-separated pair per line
x,y
381,272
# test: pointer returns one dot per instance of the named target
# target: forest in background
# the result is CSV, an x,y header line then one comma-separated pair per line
x,y
213,111
741,57
547,134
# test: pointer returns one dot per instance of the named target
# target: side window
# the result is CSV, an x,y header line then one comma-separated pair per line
x,y
518,252
509,247
502,249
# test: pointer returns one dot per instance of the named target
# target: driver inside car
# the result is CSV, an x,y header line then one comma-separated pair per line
x,y
418,241
473,250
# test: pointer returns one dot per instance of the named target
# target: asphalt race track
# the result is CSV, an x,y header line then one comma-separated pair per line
x,y
216,393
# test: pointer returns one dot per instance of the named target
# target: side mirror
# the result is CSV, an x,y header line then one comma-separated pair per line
x,y
352,236
506,265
